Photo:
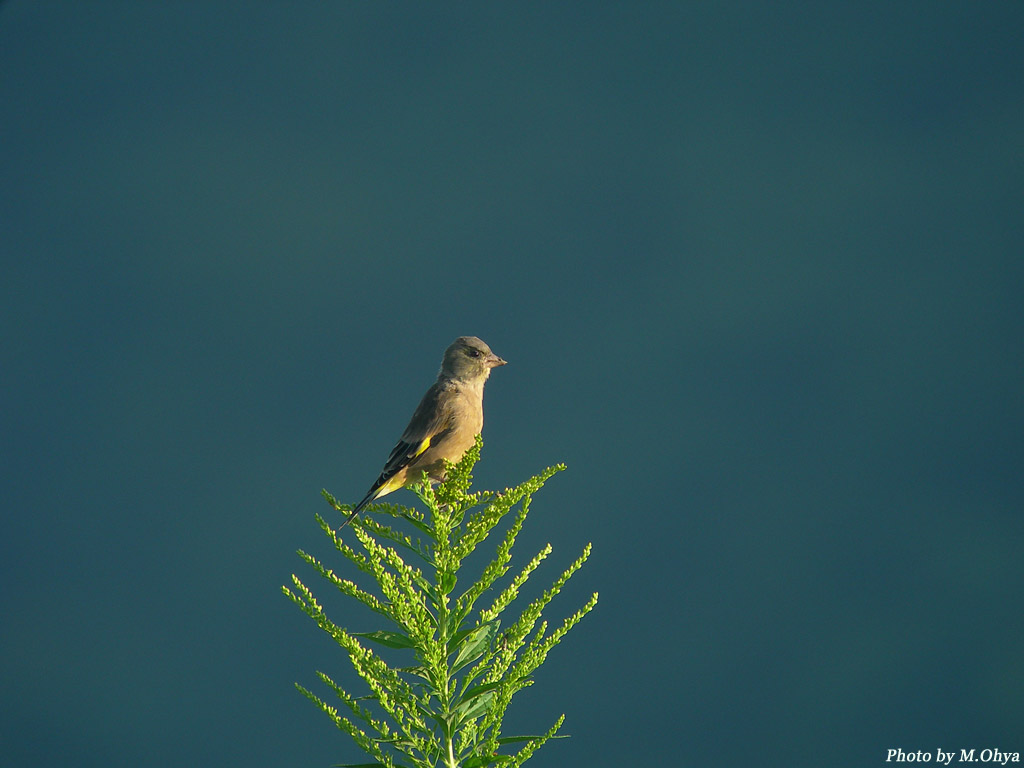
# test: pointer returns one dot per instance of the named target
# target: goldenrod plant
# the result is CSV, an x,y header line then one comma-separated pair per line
x,y
446,709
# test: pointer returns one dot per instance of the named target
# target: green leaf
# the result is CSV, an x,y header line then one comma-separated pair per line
x,y
446,582
520,739
480,690
480,762
418,671
474,646
390,639
462,634
421,582
436,717
424,527
471,710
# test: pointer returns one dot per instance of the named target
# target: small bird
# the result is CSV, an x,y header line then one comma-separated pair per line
x,y
445,424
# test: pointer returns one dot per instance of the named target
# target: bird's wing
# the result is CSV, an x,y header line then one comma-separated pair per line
x,y
432,419
430,422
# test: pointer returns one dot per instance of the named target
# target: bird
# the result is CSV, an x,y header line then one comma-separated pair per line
x,y
445,423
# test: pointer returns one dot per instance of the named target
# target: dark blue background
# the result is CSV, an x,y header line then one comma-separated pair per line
x,y
758,272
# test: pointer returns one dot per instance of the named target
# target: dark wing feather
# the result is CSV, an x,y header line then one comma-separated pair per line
x,y
429,420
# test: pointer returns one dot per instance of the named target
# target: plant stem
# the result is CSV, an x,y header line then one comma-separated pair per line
x,y
451,754
444,545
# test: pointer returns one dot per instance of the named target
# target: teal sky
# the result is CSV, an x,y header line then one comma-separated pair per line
x,y
757,270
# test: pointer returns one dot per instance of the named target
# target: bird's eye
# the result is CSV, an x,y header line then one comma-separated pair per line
x,y
473,352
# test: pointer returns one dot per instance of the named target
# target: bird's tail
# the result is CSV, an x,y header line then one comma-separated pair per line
x,y
359,507
385,484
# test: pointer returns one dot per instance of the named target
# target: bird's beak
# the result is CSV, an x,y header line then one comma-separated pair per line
x,y
494,361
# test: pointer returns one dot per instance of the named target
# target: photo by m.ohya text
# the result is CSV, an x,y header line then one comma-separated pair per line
x,y
941,757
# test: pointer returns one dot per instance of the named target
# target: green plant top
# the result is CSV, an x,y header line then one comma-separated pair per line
x,y
447,708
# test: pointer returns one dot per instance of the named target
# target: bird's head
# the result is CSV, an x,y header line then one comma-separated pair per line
x,y
469,359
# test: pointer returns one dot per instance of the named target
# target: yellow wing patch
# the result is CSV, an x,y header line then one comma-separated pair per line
x,y
398,481
393,484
